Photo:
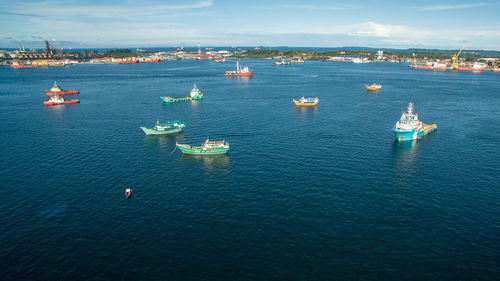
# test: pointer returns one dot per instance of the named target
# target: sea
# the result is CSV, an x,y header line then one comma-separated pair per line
x,y
321,193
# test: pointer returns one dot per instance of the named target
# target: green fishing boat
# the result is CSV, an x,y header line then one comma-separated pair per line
x,y
164,128
195,94
208,147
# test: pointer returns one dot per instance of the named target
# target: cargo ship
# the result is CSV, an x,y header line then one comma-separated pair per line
x,y
430,66
306,101
56,96
164,128
195,94
239,72
207,148
409,127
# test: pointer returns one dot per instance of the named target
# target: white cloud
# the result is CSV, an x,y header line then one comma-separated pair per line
x,y
329,7
450,7
129,11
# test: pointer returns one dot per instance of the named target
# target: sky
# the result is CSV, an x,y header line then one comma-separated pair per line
x,y
437,24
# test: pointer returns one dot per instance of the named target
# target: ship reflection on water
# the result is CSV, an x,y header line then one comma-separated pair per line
x,y
164,140
210,162
405,154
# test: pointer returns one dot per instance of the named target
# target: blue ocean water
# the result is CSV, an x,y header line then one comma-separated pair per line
x,y
305,193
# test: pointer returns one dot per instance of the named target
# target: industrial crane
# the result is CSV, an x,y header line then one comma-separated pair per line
x,y
454,60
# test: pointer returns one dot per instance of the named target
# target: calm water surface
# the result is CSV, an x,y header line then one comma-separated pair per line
x,y
305,193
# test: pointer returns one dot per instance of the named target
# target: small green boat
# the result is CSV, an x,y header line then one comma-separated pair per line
x,y
164,128
195,94
208,147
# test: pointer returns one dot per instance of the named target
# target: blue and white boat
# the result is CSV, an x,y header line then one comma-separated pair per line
x,y
410,128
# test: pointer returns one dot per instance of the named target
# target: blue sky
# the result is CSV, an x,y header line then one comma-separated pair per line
x,y
438,24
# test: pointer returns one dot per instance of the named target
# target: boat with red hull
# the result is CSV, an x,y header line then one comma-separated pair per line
x,y
56,96
56,90
64,102
470,69
21,65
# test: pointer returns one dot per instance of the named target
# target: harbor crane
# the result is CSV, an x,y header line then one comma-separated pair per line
x,y
454,59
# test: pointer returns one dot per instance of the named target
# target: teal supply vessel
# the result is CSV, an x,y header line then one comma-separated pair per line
x,y
410,128
164,128
195,94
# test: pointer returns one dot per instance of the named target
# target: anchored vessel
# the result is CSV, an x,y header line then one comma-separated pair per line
x,y
373,87
164,128
208,147
282,62
240,71
410,128
56,96
195,94
306,101
17,64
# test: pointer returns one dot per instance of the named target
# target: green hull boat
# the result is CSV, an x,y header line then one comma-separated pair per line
x,y
164,128
207,148
195,94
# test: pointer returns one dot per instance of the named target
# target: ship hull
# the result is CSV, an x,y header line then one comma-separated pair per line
x,y
50,103
242,74
172,100
70,92
23,66
297,103
372,88
199,151
150,131
470,69
405,135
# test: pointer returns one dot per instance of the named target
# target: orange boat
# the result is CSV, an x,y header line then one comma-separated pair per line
x,y
61,101
127,61
473,69
56,96
56,90
21,65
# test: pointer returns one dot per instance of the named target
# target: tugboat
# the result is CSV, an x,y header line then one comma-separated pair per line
x,y
410,128
57,90
373,87
306,101
207,148
164,128
196,94
56,96
239,72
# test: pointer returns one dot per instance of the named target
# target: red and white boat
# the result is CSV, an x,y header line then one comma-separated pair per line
x,y
240,71
475,68
58,100
128,192
430,66
56,90
56,96
17,64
